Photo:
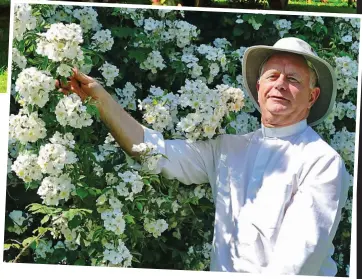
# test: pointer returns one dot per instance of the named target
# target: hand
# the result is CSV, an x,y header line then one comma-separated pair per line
x,y
82,85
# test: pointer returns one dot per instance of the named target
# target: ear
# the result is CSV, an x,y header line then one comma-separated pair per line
x,y
257,89
314,96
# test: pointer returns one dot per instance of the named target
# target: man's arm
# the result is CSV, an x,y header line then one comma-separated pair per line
x,y
189,163
311,221
123,127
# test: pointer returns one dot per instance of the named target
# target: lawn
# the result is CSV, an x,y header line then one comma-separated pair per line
x,y
3,81
332,6
316,6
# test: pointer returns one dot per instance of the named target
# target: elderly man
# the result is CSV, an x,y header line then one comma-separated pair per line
x,y
278,191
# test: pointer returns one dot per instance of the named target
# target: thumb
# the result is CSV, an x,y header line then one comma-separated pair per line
x,y
82,78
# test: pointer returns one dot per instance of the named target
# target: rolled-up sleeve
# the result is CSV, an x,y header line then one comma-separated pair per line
x,y
310,223
190,163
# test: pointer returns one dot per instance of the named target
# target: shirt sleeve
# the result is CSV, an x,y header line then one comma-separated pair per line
x,y
310,223
190,163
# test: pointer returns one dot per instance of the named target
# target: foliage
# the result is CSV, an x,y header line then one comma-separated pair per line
x,y
74,197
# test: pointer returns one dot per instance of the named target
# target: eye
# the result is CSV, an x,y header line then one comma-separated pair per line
x,y
292,79
272,76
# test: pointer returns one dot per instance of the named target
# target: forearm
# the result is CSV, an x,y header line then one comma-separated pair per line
x,y
123,127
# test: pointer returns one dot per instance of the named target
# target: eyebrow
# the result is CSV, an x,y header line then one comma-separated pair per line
x,y
277,71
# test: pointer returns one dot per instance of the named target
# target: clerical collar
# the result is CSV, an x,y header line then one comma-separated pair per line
x,y
284,131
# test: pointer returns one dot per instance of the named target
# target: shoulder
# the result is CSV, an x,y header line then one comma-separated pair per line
x,y
236,140
316,151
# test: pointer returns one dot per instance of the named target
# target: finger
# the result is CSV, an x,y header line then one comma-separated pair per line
x,y
75,87
60,84
64,91
81,77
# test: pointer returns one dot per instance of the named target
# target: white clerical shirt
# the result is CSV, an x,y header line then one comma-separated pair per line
x,y
278,194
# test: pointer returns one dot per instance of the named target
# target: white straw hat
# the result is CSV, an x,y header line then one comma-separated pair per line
x,y
255,56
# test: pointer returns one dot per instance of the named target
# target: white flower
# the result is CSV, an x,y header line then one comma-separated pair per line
x,y
113,221
87,17
70,111
347,38
18,59
21,221
117,256
23,20
61,42
53,189
102,41
127,96
155,227
109,72
199,192
34,86
43,248
26,128
153,62
53,157
26,167
64,70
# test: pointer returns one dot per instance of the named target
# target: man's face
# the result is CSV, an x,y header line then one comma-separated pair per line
x,y
284,92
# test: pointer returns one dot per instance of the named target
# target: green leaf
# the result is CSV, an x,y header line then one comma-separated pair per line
x,y
139,206
129,219
79,262
75,222
139,55
93,111
44,64
82,192
28,240
238,30
122,32
45,219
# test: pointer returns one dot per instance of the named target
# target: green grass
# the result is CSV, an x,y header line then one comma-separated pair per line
x,y
3,81
333,6
316,6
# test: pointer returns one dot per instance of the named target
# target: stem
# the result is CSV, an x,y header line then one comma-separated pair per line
x,y
26,247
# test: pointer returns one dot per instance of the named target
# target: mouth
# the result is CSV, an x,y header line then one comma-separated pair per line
x,y
278,98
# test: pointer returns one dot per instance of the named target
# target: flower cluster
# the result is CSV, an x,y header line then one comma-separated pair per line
x,y
155,227
53,157
25,166
21,221
87,17
61,42
346,71
127,96
71,111
26,127
109,72
102,41
43,249
18,59
114,221
343,142
283,26
117,255
23,20
34,86
153,62
53,189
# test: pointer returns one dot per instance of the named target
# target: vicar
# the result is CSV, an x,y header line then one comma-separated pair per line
x,y
279,190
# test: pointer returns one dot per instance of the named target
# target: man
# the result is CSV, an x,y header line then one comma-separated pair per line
x,y
278,191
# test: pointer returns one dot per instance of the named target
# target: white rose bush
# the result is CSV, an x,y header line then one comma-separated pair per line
x,y
74,196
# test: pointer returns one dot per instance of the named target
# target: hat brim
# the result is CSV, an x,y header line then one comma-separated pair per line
x,y
253,58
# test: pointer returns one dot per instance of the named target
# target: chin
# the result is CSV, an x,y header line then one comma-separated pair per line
x,y
278,110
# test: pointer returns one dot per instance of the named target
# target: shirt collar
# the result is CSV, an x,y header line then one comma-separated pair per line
x,y
284,131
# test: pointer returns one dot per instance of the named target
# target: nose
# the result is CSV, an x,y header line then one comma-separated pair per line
x,y
280,83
